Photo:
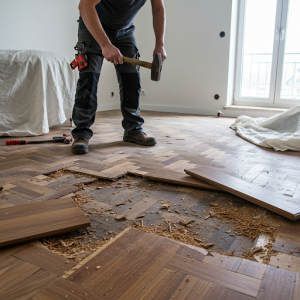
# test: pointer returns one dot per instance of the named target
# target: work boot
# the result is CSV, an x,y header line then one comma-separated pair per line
x,y
80,146
140,139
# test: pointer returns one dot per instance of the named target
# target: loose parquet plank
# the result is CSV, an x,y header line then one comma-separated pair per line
x,y
32,221
33,187
64,289
9,250
28,287
57,194
252,269
273,201
193,288
163,285
104,257
225,262
278,284
178,178
44,258
287,243
237,282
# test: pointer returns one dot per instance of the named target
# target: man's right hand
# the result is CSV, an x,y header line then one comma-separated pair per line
x,y
112,54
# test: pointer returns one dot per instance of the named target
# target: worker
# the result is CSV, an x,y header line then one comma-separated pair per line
x,y
106,25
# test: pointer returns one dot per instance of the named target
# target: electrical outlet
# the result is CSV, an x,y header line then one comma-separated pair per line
x,y
143,92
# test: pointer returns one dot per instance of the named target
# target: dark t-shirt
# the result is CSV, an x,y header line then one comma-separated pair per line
x,y
118,14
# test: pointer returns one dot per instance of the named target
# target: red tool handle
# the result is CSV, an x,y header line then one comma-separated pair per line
x,y
16,142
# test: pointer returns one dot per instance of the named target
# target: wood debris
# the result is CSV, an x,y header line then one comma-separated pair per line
x,y
120,218
165,206
121,203
208,245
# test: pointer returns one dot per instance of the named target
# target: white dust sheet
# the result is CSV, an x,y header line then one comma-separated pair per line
x,y
280,132
37,91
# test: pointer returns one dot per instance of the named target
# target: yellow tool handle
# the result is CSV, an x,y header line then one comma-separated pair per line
x,y
137,62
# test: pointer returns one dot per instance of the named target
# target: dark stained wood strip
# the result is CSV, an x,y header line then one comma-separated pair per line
x,y
163,286
64,289
179,179
225,262
190,253
106,257
252,269
222,293
28,287
33,221
237,282
278,284
44,258
273,201
193,288
1,185
57,194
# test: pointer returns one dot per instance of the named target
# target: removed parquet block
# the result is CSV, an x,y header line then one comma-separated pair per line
x,y
178,178
275,202
32,221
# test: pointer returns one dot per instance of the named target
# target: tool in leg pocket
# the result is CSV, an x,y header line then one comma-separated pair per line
x,y
81,59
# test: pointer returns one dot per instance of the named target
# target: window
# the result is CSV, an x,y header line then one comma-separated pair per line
x,y
268,57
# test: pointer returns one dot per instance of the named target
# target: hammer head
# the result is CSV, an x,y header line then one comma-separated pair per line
x,y
156,67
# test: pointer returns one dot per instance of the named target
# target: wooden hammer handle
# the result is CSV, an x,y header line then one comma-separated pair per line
x,y
137,62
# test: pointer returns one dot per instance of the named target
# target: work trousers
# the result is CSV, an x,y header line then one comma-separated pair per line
x,y
128,75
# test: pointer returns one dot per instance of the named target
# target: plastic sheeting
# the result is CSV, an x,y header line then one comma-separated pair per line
x,y
37,91
280,132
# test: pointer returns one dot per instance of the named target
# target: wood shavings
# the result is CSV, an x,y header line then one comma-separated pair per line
x,y
243,219
120,218
208,245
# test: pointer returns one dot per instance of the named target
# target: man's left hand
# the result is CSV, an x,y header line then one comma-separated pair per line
x,y
162,51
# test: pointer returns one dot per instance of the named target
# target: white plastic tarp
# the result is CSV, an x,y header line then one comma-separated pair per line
x,y
280,132
37,91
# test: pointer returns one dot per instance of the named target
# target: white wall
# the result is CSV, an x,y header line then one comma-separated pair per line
x,y
49,26
198,59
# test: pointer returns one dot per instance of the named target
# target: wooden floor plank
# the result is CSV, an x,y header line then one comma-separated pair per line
x,y
106,257
28,287
286,261
178,178
296,292
32,221
190,253
64,289
45,259
237,282
193,288
278,284
222,293
16,274
224,262
133,282
273,201
252,269
163,286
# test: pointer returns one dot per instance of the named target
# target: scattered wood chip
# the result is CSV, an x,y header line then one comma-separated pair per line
x,y
165,206
109,209
98,267
120,218
121,203
208,245
99,187
256,249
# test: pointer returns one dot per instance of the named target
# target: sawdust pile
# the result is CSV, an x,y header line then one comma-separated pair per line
x,y
77,248
250,222
175,232
57,174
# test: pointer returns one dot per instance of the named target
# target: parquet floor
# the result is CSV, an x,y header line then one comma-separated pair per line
x,y
184,142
